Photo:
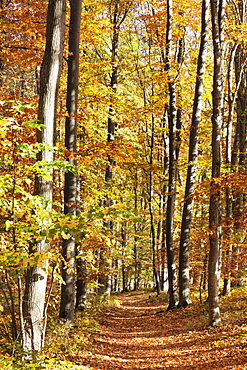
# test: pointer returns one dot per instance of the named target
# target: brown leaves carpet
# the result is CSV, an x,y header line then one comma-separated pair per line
x,y
142,335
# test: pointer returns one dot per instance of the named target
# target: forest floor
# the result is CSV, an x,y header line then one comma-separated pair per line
x,y
141,334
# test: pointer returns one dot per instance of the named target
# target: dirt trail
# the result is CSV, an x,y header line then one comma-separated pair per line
x,y
142,335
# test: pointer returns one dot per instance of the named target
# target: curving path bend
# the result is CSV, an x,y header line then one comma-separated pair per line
x,y
140,334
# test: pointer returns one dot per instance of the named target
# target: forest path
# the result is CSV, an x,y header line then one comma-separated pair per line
x,y
140,334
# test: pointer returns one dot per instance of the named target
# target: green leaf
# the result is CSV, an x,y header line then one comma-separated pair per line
x,y
34,124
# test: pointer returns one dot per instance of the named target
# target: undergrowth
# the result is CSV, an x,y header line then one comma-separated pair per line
x,y
63,341
66,343
233,309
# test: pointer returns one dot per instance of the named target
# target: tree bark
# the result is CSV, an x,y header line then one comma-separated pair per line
x,y
67,305
217,16
36,277
137,263
232,95
104,279
124,246
239,155
151,212
81,282
184,283
172,115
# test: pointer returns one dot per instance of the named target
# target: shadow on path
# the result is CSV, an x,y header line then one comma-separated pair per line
x,y
142,335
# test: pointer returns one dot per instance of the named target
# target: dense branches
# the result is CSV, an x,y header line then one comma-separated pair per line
x,y
130,173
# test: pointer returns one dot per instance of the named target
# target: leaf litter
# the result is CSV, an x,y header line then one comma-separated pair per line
x,y
141,334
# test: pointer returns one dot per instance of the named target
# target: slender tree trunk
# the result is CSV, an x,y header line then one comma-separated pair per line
x,y
36,277
184,285
136,244
104,279
81,281
217,15
203,277
67,305
151,212
115,280
172,115
117,20
231,104
159,235
124,273
239,163
124,246
81,265
165,145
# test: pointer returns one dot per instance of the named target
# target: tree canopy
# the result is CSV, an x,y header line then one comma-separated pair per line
x,y
134,174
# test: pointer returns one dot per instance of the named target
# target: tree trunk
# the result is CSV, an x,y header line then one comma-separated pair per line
x,y
67,305
239,157
124,246
115,280
231,105
36,277
184,285
173,296
163,253
217,15
81,282
151,212
137,262
111,125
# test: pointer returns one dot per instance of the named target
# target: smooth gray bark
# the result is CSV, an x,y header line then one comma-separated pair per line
x,y
232,95
239,157
36,277
172,118
151,212
137,262
184,278
67,306
217,17
124,245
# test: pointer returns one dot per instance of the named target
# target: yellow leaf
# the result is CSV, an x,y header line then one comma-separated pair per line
x,y
8,224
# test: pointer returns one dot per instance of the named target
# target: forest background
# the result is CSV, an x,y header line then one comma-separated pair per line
x,y
134,174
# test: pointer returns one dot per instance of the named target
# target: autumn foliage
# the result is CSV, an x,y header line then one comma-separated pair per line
x,y
128,70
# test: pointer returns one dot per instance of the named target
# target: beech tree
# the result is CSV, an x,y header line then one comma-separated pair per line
x,y
232,95
172,110
238,157
34,319
104,278
118,13
217,16
71,186
184,283
140,102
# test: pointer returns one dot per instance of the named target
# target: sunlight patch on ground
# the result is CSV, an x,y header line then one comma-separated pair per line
x,y
140,337
142,308
160,358
147,333
133,318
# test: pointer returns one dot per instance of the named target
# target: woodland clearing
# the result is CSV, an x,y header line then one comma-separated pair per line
x,y
141,334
